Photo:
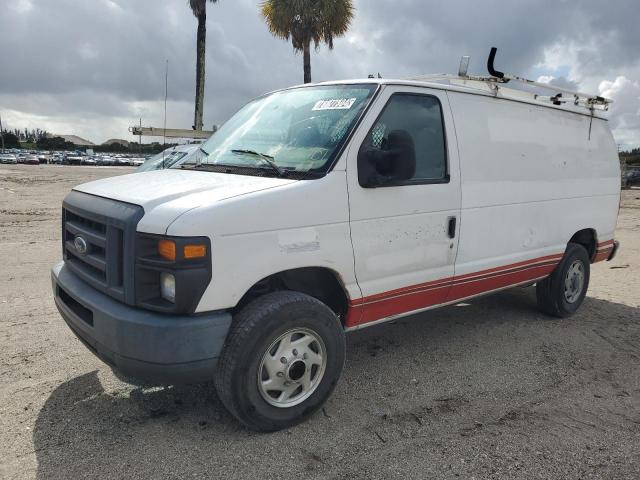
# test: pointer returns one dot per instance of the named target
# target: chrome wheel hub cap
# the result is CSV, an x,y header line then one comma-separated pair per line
x,y
292,368
574,281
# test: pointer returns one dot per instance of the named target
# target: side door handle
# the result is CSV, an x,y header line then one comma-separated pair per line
x,y
451,229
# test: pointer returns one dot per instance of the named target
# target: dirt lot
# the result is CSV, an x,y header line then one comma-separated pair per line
x,y
490,389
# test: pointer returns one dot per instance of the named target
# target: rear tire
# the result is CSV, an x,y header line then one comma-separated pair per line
x,y
281,360
562,293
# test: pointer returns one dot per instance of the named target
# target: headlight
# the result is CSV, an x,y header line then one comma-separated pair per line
x,y
171,272
167,249
168,286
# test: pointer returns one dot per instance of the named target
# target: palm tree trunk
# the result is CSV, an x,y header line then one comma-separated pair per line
x,y
306,55
201,40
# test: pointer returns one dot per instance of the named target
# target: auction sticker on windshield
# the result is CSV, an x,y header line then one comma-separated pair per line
x,y
336,104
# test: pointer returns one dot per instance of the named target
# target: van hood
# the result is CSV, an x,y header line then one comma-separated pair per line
x,y
166,194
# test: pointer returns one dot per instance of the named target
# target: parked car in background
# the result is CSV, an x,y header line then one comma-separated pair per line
x,y
8,158
171,157
31,160
106,160
73,159
633,177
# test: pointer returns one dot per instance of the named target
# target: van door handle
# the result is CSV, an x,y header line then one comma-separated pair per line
x,y
451,229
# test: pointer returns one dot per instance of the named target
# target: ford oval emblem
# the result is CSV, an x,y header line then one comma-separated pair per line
x,y
81,245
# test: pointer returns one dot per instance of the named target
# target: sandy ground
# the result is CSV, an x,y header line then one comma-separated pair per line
x,y
490,389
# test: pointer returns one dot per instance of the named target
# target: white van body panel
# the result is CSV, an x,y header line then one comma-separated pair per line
x,y
303,224
532,176
400,233
166,194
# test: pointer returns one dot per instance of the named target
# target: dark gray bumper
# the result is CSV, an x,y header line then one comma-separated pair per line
x,y
138,343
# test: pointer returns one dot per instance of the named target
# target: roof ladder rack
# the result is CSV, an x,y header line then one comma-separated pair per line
x,y
496,78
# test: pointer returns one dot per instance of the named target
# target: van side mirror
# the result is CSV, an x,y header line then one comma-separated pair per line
x,y
394,162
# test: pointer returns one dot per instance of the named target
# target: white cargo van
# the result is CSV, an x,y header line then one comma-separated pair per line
x,y
325,208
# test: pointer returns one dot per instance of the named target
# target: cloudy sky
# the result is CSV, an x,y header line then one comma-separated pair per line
x,y
93,68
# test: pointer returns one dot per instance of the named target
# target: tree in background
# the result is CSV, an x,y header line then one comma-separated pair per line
x,y
631,157
306,21
199,9
29,136
10,140
54,143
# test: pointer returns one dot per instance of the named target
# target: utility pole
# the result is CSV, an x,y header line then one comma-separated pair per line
x,y
1,135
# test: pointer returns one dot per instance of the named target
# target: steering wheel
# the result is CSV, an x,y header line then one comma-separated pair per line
x,y
303,131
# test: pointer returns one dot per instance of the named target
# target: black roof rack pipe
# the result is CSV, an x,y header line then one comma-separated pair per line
x,y
492,71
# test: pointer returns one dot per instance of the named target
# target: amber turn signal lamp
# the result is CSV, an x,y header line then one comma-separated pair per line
x,y
167,249
195,251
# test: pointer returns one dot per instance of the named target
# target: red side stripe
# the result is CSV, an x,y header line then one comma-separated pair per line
x,y
603,250
464,290
555,258
415,297
604,244
602,255
442,282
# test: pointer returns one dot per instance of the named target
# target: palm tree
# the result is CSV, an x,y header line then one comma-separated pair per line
x,y
305,21
199,9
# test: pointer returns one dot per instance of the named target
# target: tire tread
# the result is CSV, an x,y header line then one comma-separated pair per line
x,y
550,290
244,324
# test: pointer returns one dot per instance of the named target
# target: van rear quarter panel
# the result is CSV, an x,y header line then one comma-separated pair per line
x,y
531,176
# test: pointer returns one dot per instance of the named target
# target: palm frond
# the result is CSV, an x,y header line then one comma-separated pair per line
x,y
199,6
308,21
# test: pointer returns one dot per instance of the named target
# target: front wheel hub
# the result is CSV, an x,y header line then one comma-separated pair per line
x,y
296,370
292,368
574,281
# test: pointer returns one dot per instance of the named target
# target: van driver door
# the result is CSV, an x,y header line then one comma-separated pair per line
x,y
404,217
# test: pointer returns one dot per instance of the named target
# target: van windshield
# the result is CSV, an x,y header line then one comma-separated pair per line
x,y
162,160
291,133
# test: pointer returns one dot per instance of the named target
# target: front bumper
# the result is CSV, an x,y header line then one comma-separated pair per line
x,y
138,343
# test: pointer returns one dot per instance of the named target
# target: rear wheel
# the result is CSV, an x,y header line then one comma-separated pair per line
x,y
562,293
281,361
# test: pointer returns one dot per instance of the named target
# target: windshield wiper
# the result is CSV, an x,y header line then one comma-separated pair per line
x,y
207,166
265,158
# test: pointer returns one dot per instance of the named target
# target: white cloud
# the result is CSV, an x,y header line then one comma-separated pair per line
x,y
587,68
88,51
625,110
21,6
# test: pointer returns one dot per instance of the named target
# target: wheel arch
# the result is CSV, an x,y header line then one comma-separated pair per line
x,y
588,238
321,283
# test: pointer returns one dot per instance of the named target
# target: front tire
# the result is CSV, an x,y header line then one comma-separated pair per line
x,y
281,361
561,293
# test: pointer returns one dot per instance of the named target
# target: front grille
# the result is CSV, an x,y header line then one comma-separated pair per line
x,y
94,261
107,229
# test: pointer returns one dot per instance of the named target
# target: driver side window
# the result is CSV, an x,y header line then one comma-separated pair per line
x,y
419,118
